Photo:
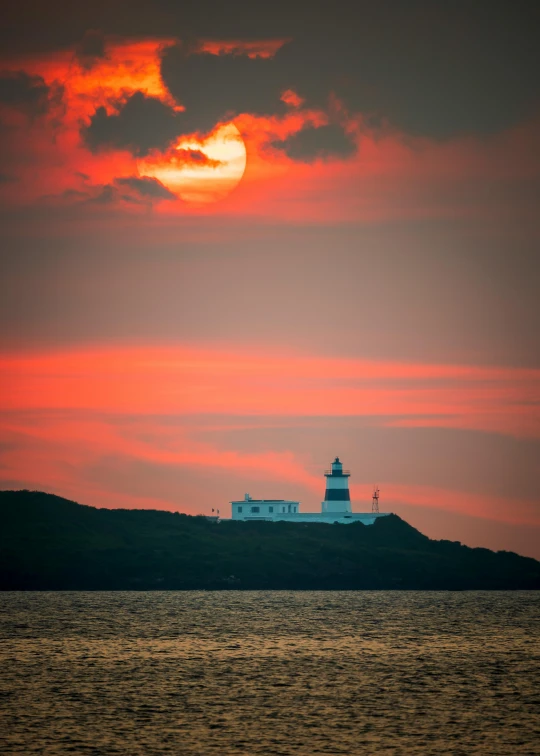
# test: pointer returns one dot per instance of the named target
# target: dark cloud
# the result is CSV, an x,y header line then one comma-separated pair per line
x,y
70,196
430,68
90,49
141,124
146,187
130,189
194,157
133,190
213,88
28,93
323,142
105,195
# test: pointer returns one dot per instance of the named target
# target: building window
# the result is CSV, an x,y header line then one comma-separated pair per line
x,y
270,509
255,510
239,510
283,509
294,510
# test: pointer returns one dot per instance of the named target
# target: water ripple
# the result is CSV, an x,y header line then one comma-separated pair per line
x,y
270,673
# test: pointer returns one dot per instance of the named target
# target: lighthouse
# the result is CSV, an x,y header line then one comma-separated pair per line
x,y
337,497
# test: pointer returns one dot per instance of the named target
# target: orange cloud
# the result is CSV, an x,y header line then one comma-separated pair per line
x,y
289,97
188,381
262,48
128,66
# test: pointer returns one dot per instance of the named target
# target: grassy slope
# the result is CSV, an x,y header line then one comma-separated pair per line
x,y
50,543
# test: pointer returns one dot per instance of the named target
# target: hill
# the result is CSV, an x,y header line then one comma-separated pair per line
x,y
50,543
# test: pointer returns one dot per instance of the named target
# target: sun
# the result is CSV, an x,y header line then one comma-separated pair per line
x,y
200,171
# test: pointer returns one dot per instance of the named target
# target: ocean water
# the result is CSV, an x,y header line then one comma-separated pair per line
x,y
270,673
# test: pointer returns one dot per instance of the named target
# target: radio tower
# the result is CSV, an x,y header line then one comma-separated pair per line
x,y
375,500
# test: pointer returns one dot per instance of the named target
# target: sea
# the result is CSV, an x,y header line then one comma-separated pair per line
x,y
270,672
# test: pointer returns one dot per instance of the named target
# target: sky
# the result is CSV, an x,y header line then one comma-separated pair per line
x,y
240,239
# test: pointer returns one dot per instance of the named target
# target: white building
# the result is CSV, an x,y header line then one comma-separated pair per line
x,y
336,506
263,509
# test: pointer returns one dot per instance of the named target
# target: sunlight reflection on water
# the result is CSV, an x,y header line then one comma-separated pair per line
x,y
270,673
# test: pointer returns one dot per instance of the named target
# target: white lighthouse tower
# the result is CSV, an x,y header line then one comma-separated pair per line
x,y
337,497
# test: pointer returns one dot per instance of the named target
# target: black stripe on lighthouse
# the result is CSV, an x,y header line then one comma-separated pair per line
x,y
337,494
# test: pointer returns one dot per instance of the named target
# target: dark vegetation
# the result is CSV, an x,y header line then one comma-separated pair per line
x,y
49,543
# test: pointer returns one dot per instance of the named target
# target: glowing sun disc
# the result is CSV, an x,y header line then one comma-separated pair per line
x,y
201,171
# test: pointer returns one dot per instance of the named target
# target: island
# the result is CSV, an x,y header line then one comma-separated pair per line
x,y
51,543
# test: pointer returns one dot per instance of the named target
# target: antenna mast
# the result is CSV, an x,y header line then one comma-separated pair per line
x,y
375,500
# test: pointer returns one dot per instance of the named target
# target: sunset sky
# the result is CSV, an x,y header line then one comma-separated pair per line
x,y
239,239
